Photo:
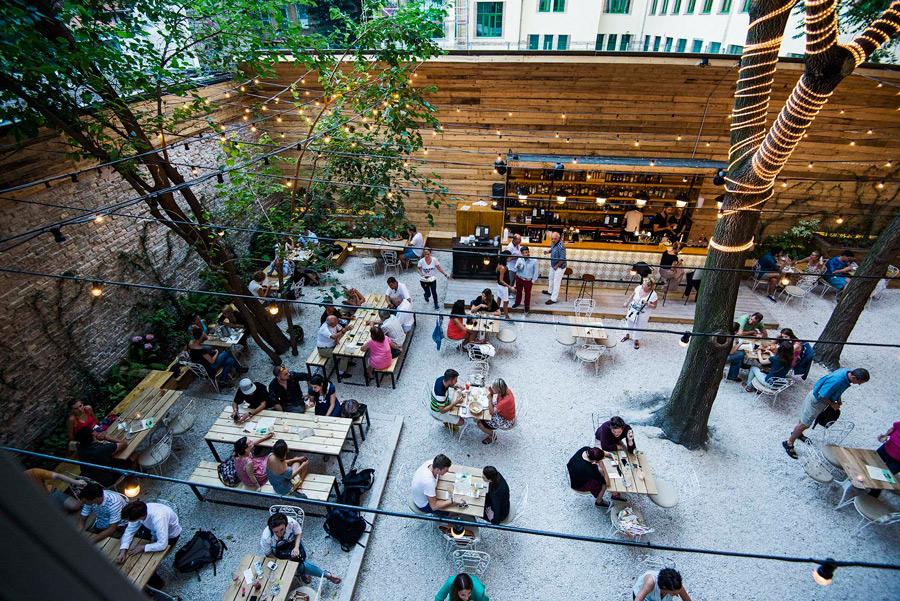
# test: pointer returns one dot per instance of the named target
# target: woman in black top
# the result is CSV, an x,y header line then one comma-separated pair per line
x,y
670,266
496,502
504,282
586,475
485,302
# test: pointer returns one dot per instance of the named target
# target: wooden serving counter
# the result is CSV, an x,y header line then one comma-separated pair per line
x,y
618,246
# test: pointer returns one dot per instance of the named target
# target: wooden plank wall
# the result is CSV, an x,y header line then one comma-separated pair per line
x,y
651,107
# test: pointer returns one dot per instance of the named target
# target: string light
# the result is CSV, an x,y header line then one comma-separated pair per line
x,y
880,185
731,249
888,164
678,138
824,574
99,219
809,166
557,134
637,142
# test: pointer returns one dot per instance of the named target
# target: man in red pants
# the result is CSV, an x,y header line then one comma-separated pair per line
x,y
526,276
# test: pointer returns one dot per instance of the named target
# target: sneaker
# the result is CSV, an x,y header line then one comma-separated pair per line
x,y
527,312
789,449
550,302
346,375
603,503
516,305
772,298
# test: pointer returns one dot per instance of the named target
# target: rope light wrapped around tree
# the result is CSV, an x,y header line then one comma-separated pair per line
x,y
757,155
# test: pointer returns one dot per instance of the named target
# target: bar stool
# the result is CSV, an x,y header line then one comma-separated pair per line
x,y
585,278
568,275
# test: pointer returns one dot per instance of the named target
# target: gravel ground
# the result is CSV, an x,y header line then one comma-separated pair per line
x,y
741,493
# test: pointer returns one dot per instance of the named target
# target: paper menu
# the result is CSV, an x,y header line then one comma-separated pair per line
x,y
877,473
265,425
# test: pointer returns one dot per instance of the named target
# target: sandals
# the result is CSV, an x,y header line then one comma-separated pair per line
x,y
637,344
789,449
490,439
627,336
332,578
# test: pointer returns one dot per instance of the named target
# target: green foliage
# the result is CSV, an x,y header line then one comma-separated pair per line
x,y
797,241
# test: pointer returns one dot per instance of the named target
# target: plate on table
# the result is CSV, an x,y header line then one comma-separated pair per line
x,y
475,406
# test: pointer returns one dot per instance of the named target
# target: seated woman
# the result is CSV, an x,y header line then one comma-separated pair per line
x,y
213,360
462,587
250,461
354,297
586,475
485,303
503,411
811,264
97,449
198,321
779,365
496,501
666,585
281,538
456,327
803,353
80,416
281,471
670,266
380,350
285,267
323,396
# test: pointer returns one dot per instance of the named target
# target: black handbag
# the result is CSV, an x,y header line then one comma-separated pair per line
x,y
283,549
827,416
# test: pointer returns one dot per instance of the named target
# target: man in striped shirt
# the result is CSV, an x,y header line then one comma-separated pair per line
x,y
441,405
106,505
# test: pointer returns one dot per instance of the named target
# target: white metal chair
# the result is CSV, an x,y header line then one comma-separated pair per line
x,y
814,464
826,287
182,422
370,263
873,511
562,333
756,281
290,511
666,496
772,388
463,542
297,290
157,453
507,334
516,508
389,257
479,372
590,353
800,290
835,434
470,562
198,370
476,354
584,307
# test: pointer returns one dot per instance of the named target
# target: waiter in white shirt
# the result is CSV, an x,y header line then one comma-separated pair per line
x,y
633,220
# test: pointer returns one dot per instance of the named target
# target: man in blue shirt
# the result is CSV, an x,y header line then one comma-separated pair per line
x,y
826,392
526,276
836,266
768,268
557,267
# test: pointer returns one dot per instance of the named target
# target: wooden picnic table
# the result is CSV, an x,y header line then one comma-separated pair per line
x,y
300,254
854,462
590,328
357,331
150,403
154,379
327,437
137,568
283,574
464,411
447,483
636,485
215,339
379,244
489,324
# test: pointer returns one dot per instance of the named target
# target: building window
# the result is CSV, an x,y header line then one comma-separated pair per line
x,y
690,7
646,43
625,43
656,42
725,8
697,46
676,8
664,7
715,48
707,7
598,45
681,45
618,7
534,41
745,8
551,6
668,46
735,49
489,20
611,42
562,42
548,42
653,7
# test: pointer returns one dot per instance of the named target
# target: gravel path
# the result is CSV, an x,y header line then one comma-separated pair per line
x,y
741,493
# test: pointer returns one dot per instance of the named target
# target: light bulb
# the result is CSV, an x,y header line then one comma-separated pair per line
x,y
680,203
685,339
888,164
486,260
880,185
652,163
824,574
560,199
809,166
853,143
557,134
678,138
288,184
637,142
227,94
563,116
350,247
273,309
707,144
784,184
785,281
719,216
99,219
132,487
278,119
869,132
601,201
96,290
719,204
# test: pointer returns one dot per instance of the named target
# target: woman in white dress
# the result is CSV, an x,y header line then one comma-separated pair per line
x,y
638,314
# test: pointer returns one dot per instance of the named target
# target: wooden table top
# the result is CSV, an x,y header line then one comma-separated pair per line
x,y
150,403
636,485
490,324
854,462
299,253
475,392
328,435
350,345
154,379
283,574
445,491
137,568
215,340
590,328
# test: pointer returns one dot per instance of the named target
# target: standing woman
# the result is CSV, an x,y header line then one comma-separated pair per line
x,y
638,314
428,267
323,396
462,587
504,282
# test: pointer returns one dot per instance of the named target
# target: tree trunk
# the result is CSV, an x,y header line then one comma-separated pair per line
x,y
854,297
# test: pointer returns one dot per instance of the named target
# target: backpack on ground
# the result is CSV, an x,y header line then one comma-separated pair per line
x,y
203,549
228,473
346,526
352,409
354,484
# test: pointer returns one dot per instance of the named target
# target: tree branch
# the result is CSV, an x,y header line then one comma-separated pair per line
x,y
877,34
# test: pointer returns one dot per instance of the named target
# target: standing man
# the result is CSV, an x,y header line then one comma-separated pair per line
x,y
664,222
526,276
826,393
557,267
515,250
397,292
633,220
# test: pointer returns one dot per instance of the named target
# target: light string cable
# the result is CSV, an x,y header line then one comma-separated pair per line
x,y
265,496
97,282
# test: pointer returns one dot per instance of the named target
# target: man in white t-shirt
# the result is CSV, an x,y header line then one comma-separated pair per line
x,y
515,250
406,317
428,268
633,220
414,244
330,332
424,486
397,292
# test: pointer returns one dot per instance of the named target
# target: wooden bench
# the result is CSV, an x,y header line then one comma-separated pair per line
x,y
317,361
396,365
318,487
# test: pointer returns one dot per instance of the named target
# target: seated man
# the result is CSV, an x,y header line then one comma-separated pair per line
x,y
768,268
280,265
309,238
424,486
397,292
586,475
257,287
212,359
836,269
392,326
44,479
106,505
406,316
751,324
159,522
415,244
736,356
441,406
256,396
285,391
354,298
